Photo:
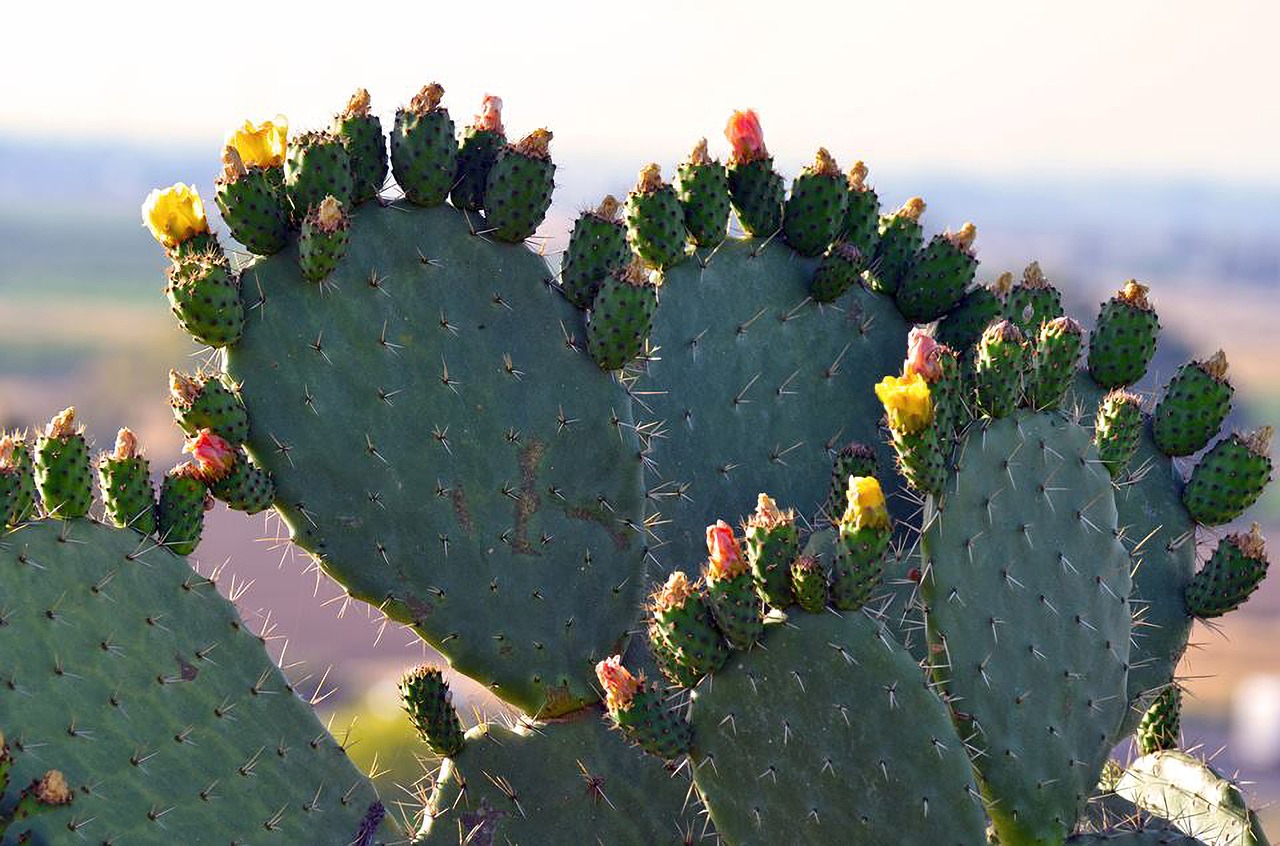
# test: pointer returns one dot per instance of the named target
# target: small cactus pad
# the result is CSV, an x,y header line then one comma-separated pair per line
x,y
128,669
830,735
1193,797
757,386
1027,590
572,781
480,477
1161,724
426,697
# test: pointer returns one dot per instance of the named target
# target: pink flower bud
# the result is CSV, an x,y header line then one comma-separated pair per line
x,y
724,558
214,457
620,686
746,137
921,356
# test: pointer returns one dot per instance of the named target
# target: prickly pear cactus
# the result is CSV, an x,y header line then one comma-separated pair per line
x,y
437,436
1193,797
161,708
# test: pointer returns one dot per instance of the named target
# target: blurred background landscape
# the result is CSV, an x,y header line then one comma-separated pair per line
x,y
1106,143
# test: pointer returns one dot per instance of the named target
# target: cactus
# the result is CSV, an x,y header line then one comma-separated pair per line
x,y
162,709
1192,796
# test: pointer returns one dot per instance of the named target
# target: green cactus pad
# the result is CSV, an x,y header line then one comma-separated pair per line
x,y
874,759
253,209
206,401
837,272
597,247
756,385
246,488
962,328
17,486
205,297
180,512
1161,724
900,238
476,155
655,223
317,166
446,454
127,494
1123,339
518,193
703,190
424,154
756,190
621,318
1193,797
815,212
1229,478
1195,403
126,668
937,280
322,241
361,135
1230,576
62,474
1027,590
573,781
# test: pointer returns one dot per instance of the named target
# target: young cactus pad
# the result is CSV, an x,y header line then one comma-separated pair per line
x,y
828,735
445,453
171,723
568,781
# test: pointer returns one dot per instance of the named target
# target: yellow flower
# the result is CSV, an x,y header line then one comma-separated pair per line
x,y
174,214
906,402
262,145
866,504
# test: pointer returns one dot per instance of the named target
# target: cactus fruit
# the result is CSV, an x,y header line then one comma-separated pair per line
x,y
316,166
773,541
815,212
621,316
518,192
125,666
184,498
366,146
1229,478
1117,429
836,273
809,584
597,248
17,481
1032,302
1160,726
1054,360
250,197
639,712
754,186
62,468
702,186
831,708
125,480
481,143
1123,340
682,631
909,410
1195,404
900,238
979,308
862,212
863,537
204,294
655,220
206,401
731,592
1230,576
323,240
424,151
999,365
427,699
938,278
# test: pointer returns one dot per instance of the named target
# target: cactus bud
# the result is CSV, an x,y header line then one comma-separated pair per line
x,y
619,685
427,99
427,699
724,557
907,403
490,117
174,215
746,137
214,457
858,176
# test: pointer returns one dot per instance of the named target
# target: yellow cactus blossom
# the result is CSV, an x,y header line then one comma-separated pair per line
x,y
906,402
174,214
262,145
866,508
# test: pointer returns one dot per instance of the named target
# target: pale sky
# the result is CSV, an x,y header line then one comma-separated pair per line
x,y
1166,88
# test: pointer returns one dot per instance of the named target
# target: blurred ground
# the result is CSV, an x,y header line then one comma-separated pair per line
x,y
83,321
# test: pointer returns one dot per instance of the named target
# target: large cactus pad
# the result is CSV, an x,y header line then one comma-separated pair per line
x,y
757,386
1028,618
827,733
569,781
126,669
445,452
